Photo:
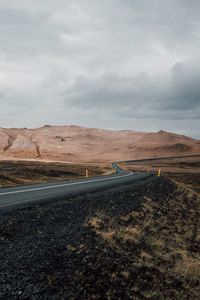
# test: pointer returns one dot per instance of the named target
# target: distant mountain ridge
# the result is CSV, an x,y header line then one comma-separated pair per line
x,y
79,144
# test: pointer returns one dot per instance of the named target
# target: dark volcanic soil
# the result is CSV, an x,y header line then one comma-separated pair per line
x,y
183,170
29,172
131,242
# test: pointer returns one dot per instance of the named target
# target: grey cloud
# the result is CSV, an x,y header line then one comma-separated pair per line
x,y
170,96
98,63
186,85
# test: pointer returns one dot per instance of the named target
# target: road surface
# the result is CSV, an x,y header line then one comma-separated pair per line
x,y
21,196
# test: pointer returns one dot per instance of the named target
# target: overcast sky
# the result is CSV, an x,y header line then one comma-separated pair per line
x,y
116,64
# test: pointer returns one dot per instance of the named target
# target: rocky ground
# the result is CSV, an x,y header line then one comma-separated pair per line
x,y
132,242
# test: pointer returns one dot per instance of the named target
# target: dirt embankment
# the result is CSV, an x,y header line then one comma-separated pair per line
x,y
131,242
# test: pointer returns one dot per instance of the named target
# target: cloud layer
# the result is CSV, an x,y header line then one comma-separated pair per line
x,y
110,63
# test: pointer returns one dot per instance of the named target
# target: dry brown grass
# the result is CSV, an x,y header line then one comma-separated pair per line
x,y
25,172
94,222
131,242
188,265
185,171
162,235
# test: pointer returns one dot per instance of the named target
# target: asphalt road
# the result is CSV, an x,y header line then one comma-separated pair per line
x,y
23,196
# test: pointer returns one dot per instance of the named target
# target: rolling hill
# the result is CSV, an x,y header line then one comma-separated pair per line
x,y
78,144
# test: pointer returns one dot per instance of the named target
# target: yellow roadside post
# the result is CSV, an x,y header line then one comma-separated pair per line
x,y
87,173
159,171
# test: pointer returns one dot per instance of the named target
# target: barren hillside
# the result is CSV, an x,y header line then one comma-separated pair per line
x,y
78,144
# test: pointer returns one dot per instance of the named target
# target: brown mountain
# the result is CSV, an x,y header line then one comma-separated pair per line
x,y
78,144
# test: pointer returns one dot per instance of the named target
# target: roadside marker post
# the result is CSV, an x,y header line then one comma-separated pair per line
x,y
159,172
87,173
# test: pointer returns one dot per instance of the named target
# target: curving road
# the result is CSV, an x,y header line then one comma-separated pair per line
x,y
22,196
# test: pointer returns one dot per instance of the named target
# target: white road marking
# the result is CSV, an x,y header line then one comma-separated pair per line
x,y
61,185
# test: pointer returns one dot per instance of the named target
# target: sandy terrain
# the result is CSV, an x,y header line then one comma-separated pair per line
x,y
78,144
